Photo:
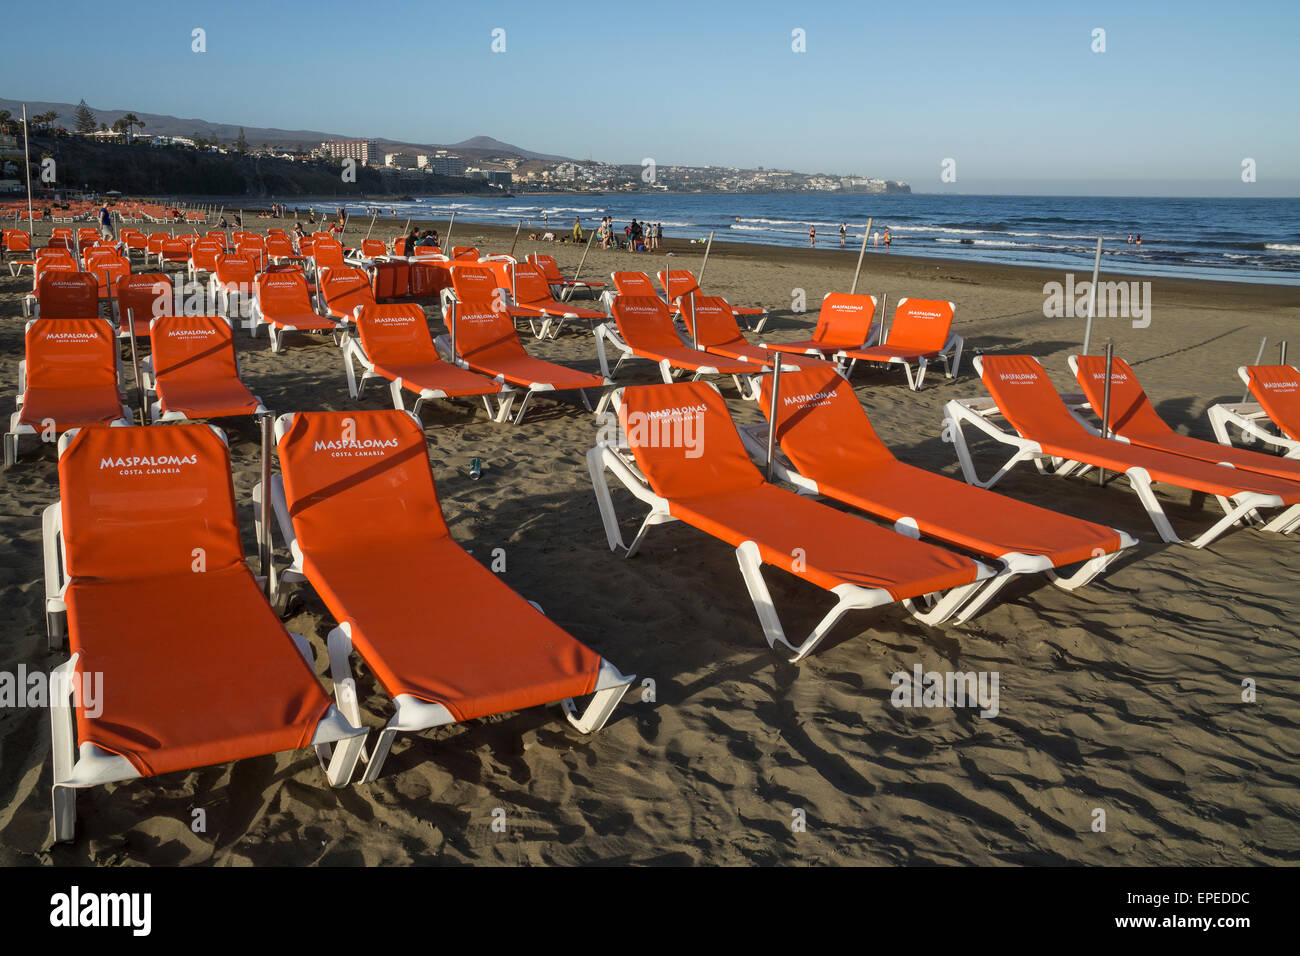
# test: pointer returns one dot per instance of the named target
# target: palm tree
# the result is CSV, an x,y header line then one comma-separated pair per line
x,y
129,121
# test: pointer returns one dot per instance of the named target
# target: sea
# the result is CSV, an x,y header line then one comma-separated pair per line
x,y
1244,240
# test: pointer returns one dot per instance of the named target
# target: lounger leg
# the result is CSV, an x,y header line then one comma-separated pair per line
x,y
375,759
523,407
921,366
64,750
1286,521
968,465
603,703
1086,572
982,599
55,610
1142,485
666,370
351,374
948,605
600,352
11,449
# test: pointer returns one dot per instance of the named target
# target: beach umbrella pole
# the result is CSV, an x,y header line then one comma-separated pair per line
x,y
1105,405
862,252
704,265
695,328
135,365
773,407
1092,298
264,535
451,327
1281,352
516,239
372,225
446,240
884,307
584,256
31,220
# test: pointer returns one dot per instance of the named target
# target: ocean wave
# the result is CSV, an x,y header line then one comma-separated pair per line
x,y
1281,247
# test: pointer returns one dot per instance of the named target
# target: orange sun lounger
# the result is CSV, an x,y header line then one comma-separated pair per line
x,y
142,297
643,328
192,370
60,293
1276,389
831,449
1047,434
483,340
69,378
712,322
680,284
393,343
562,287
845,321
922,333
1133,419
685,461
533,300
234,275
444,637
344,290
193,667
282,303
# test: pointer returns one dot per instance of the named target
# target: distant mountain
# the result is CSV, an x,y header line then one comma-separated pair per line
x,y
488,146
160,124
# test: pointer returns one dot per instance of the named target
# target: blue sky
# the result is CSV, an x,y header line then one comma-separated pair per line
x,y
1013,92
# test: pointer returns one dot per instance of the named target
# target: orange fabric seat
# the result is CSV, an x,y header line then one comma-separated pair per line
x,y
1033,407
713,322
283,304
345,289
844,322
397,342
1277,390
647,328
195,371
197,668
429,620
1133,418
71,374
486,341
145,296
67,295
824,431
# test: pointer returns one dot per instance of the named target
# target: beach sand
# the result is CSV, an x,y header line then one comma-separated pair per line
x,y
1125,696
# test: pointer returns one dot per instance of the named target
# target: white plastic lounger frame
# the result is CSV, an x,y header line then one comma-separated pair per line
x,y
1250,418
950,355
413,714
89,765
1242,508
277,332
849,597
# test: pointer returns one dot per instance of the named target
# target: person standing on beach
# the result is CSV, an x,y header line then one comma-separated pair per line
x,y
843,232
106,220
1130,238
886,238
577,229
1138,241
812,237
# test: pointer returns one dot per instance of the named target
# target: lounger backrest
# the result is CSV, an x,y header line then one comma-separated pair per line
x,y
358,482
373,247
306,244
424,251
531,284
142,503
1026,397
345,288
155,241
217,236
844,320
236,270
645,322
1277,389
107,272
279,247
193,348
1130,413
821,425
472,283
465,252
921,325
684,441
678,282
147,295
635,284
254,252
203,255
550,268
17,241
712,320
484,331
71,353
396,334
328,254
283,293
68,295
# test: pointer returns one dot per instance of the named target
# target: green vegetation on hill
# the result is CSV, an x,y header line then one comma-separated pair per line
x,y
143,169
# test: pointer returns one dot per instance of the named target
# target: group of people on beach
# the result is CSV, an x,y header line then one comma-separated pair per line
x,y
876,236
637,236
